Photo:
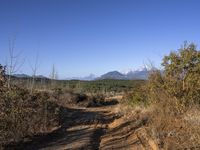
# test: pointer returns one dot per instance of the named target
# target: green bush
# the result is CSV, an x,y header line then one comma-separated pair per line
x,y
138,97
179,80
182,74
173,94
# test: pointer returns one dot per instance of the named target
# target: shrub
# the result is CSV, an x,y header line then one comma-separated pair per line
x,y
23,113
138,96
180,79
181,74
172,94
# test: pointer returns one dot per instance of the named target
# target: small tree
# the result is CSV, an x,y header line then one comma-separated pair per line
x,y
182,74
34,69
13,63
53,76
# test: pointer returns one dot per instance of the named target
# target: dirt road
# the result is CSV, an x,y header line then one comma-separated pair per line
x,y
90,129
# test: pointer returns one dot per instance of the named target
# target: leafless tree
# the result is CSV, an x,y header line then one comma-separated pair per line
x,y
34,69
53,75
149,64
13,63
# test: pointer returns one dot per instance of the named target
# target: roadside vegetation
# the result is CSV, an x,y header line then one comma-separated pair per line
x,y
24,114
171,99
27,111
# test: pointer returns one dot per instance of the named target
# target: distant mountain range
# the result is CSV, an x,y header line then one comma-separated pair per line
x,y
87,78
28,76
21,75
139,74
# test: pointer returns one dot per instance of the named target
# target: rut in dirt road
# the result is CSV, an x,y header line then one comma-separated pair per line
x,y
83,129
80,129
92,129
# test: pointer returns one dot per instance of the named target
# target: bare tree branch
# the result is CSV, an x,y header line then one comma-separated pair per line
x,y
13,63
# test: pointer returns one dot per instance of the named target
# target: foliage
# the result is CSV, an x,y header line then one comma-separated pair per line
x,y
181,74
173,93
23,113
138,96
96,86
180,79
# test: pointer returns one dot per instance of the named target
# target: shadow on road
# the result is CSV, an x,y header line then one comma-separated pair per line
x,y
79,129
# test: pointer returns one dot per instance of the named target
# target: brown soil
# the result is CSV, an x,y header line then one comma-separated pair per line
x,y
91,129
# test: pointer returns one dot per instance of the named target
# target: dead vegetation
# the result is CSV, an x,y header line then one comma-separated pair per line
x,y
162,113
173,99
23,113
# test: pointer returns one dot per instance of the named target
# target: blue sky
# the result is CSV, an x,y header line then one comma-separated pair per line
x,y
96,36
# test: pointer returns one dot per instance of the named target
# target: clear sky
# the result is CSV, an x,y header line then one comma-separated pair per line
x,y
95,36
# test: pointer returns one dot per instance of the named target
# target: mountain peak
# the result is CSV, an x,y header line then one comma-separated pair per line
x,y
142,68
113,75
129,74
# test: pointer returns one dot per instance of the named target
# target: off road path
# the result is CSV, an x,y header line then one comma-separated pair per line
x,y
90,129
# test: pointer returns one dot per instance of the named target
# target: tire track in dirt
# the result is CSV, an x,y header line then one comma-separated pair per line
x,y
90,129
81,128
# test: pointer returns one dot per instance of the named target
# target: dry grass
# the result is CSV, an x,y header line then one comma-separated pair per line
x,y
174,127
169,125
